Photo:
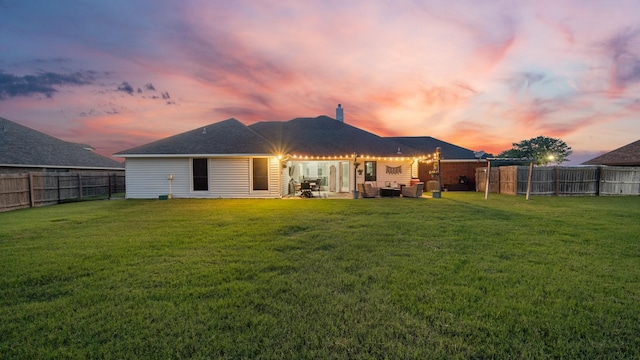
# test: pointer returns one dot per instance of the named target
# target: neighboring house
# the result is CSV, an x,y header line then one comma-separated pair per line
x,y
230,160
457,164
23,149
628,155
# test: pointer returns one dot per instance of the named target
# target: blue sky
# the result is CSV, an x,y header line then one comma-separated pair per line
x,y
479,74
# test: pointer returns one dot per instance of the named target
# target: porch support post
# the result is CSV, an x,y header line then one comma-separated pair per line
x,y
438,151
355,172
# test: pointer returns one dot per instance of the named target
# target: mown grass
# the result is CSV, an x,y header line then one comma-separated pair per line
x,y
457,277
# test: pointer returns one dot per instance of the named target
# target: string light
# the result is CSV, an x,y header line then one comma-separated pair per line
x,y
424,158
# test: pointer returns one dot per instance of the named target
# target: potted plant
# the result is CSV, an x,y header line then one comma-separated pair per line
x,y
356,165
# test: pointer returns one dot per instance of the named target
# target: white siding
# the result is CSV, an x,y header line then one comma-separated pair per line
x,y
275,180
285,178
147,178
394,179
414,169
230,177
382,176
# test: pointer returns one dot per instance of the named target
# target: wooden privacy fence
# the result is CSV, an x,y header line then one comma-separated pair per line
x,y
562,181
38,189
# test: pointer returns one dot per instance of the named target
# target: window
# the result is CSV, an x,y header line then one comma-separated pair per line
x,y
200,175
260,174
369,171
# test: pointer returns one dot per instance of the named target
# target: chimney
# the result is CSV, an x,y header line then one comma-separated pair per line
x,y
340,113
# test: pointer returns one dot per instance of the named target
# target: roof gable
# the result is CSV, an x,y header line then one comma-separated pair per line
x,y
628,155
226,137
23,146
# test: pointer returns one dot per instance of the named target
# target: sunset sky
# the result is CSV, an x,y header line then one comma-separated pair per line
x,y
480,74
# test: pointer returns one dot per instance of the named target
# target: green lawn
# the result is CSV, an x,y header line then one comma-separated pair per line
x,y
320,279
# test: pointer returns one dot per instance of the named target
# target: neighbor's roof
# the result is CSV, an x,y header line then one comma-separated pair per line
x,y
223,138
628,155
24,147
324,136
428,145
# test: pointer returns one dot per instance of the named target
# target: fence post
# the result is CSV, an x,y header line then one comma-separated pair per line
x,y
529,180
109,184
486,188
59,200
79,186
556,174
31,199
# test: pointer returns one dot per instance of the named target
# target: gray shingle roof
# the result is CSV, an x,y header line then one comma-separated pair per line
x,y
428,145
628,155
226,137
324,136
23,146
319,136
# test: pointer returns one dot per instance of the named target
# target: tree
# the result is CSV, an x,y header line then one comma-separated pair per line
x,y
543,150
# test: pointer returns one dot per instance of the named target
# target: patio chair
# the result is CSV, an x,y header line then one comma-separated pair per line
x,y
316,186
368,191
414,190
305,189
293,188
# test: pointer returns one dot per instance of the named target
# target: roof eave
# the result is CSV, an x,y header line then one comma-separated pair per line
x,y
462,160
188,155
62,167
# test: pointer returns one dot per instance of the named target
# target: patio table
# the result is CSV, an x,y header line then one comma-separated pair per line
x,y
390,192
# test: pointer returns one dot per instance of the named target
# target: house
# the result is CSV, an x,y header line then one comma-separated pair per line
x,y
230,160
327,149
23,150
457,164
224,159
628,155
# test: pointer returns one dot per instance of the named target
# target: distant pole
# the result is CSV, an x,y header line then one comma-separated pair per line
x,y
438,151
529,180
486,189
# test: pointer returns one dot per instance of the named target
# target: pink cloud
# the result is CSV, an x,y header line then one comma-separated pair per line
x,y
476,74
